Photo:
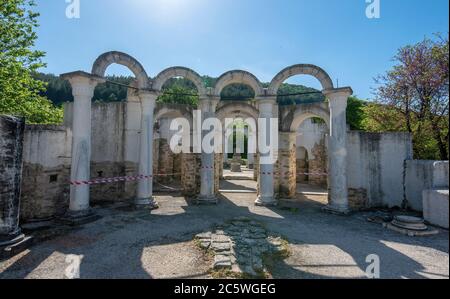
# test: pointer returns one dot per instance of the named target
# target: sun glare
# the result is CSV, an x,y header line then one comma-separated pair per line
x,y
166,11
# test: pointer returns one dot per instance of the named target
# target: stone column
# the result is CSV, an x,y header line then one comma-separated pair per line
x,y
207,193
266,170
287,158
11,148
337,147
145,186
83,85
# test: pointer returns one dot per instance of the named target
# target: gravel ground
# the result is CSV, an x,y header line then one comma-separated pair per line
x,y
158,244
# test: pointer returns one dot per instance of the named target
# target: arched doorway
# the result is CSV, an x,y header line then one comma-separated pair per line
x,y
238,115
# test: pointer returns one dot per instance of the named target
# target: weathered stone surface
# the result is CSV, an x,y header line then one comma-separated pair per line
x,y
357,199
436,207
11,149
240,245
204,236
222,261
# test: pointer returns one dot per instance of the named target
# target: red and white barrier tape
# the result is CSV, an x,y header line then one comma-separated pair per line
x,y
119,179
309,174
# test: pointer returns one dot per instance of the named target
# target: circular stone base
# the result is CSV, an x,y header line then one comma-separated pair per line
x,y
409,222
11,239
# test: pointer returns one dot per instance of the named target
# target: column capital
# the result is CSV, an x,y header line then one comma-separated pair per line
x,y
336,93
337,97
148,100
83,84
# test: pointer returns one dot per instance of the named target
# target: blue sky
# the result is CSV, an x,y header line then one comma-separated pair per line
x,y
260,36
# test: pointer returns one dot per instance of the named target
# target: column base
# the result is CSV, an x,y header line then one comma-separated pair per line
x,y
14,244
266,202
79,217
336,210
146,203
206,200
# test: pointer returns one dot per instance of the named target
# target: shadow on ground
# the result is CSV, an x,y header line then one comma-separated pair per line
x,y
127,243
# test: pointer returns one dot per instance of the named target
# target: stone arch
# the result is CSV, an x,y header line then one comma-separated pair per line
x,y
239,77
236,109
173,111
186,73
106,59
294,118
300,69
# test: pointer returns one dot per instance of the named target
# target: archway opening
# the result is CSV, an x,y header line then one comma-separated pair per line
x,y
312,159
179,90
237,92
115,88
300,89
237,168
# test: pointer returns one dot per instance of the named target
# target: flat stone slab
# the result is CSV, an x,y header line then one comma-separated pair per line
x,y
222,261
412,233
240,245
220,247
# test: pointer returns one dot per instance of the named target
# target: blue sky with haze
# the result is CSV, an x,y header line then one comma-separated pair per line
x,y
260,36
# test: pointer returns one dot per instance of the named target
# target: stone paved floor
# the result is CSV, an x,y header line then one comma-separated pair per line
x,y
139,244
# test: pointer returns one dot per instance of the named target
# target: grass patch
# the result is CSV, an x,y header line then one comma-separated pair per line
x,y
290,209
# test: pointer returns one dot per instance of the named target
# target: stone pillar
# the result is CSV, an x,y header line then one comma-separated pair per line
x,y
266,170
207,193
83,85
337,149
287,158
145,186
11,147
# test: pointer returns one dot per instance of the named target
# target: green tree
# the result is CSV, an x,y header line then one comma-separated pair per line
x,y
355,113
416,90
19,91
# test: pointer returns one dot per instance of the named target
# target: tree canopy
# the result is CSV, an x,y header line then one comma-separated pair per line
x,y
414,96
19,90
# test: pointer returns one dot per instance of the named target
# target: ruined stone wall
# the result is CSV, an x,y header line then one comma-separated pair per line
x,y
302,168
318,165
11,149
375,167
165,162
311,142
423,175
46,172
287,169
177,166
190,174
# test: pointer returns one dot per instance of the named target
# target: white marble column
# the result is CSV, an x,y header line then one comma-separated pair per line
x,y
266,168
145,186
83,85
207,194
337,147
